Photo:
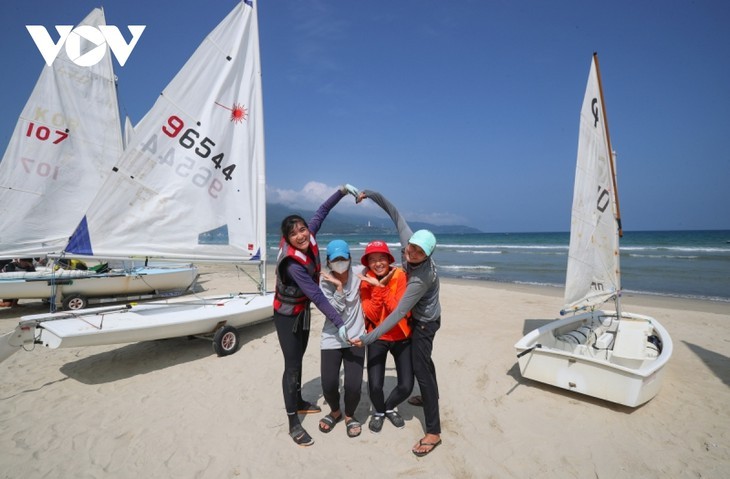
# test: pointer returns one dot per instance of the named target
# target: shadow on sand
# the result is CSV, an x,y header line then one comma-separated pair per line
x,y
718,364
147,356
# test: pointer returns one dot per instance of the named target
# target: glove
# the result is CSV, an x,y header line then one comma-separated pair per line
x,y
342,333
350,189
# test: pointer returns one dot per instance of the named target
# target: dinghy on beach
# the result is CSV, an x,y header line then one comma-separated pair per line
x,y
64,145
608,354
189,186
76,289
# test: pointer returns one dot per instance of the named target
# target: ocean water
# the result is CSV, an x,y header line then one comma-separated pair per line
x,y
691,264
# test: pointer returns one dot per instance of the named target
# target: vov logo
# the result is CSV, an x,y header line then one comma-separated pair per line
x,y
72,39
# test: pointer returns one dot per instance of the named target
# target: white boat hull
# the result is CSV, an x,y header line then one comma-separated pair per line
x,y
143,322
611,364
90,284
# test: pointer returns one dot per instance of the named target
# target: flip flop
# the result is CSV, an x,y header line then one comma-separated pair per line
x,y
433,446
329,421
353,424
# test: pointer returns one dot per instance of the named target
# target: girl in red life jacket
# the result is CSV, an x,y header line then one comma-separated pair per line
x,y
297,285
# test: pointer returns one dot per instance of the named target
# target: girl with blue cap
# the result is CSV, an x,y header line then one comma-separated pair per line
x,y
340,283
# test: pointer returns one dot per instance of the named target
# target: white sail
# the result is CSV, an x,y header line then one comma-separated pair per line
x,y
191,185
593,260
66,140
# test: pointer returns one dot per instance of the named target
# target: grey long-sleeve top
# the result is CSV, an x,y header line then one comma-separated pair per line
x,y
421,297
349,306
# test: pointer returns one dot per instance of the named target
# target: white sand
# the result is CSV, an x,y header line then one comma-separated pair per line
x,y
172,408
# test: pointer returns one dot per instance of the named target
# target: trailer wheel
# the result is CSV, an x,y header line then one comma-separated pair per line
x,y
225,341
74,302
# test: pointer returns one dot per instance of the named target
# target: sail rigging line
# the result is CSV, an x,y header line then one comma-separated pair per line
x,y
10,188
610,147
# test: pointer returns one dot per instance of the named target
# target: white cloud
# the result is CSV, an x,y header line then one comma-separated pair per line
x,y
313,194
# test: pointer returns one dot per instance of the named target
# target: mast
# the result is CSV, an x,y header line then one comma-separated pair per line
x,y
619,231
610,147
261,227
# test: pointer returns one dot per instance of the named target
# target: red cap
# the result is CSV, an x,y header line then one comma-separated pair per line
x,y
376,247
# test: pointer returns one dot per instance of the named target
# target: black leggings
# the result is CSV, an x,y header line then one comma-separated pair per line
x,y
354,361
422,337
377,356
293,346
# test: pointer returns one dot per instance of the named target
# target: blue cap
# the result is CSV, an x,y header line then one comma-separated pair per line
x,y
337,249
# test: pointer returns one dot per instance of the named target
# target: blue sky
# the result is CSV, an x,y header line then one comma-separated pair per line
x,y
461,112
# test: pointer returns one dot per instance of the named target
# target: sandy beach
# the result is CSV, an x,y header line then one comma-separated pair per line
x,y
172,408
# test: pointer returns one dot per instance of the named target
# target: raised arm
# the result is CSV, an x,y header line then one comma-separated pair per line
x,y
319,216
404,231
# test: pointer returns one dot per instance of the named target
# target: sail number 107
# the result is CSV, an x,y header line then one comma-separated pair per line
x,y
43,133
191,139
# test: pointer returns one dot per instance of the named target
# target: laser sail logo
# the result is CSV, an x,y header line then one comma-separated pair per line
x,y
73,39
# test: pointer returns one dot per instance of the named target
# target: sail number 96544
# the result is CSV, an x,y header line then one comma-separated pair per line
x,y
203,148
184,167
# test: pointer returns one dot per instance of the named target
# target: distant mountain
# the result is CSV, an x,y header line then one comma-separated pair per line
x,y
339,223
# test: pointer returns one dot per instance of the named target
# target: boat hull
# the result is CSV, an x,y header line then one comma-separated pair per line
x,y
90,284
143,322
622,375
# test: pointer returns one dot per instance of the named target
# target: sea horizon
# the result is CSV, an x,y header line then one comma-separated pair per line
x,y
692,264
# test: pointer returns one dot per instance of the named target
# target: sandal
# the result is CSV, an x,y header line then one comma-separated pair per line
x,y
306,407
431,446
395,419
300,436
354,428
376,423
327,423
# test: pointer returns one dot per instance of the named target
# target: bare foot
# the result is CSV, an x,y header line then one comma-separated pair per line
x,y
426,445
327,423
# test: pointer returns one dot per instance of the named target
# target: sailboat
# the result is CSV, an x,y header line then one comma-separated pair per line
x,y
608,354
190,185
63,147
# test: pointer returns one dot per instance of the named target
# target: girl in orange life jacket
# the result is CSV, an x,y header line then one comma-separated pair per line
x,y
381,288
297,285
421,299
